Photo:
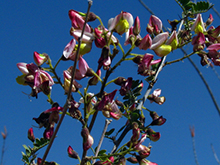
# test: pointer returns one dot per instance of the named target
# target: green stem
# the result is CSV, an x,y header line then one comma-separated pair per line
x,y
180,59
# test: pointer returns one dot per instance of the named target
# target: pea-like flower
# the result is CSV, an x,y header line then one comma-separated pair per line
x,y
108,106
38,79
145,65
154,97
121,23
155,25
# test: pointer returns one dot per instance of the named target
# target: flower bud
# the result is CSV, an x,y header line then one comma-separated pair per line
x,y
72,153
132,160
39,59
137,27
87,139
157,120
153,136
120,80
94,80
31,134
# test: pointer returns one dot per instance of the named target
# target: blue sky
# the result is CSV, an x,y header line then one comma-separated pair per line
x,y
43,26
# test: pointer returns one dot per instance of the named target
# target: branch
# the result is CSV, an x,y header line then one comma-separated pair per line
x,y
215,155
107,122
69,92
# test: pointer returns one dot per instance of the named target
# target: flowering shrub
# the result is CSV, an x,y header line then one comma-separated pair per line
x,y
42,76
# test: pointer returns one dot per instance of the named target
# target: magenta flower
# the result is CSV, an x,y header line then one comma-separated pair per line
x,y
145,43
31,134
104,60
144,67
102,36
48,133
143,151
137,26
38,79
39,59
155,25
83,68
198,42
108,106
126,86
78,21
214,54
121,23
72,153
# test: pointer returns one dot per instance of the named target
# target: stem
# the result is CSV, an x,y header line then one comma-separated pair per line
x,y
180,59
69,92
3,151
107,122
215,155
194,151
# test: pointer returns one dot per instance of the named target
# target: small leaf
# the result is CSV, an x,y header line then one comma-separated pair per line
x,y
110,132
121,129
25,158
102,153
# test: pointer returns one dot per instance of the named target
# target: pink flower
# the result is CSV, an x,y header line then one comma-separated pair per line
x,y
155,25
159,45
83,68
121,23
144,66
78,21
68,52
145,43
198,25
214,54
102,36
67,81
38,79
39,59
108,106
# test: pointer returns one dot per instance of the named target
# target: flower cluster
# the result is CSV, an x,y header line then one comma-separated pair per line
x,y
156,40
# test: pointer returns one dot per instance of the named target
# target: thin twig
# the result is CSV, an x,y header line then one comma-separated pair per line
x,y
69,92
107,122
194,151
215,155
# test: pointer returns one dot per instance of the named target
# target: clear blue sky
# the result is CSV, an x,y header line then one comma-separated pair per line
x,y
43,26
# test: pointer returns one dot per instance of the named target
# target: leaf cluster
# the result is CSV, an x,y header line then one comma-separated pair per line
x,y
193,8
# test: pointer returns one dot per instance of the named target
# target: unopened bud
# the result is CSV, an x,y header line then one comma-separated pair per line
x,y
72,153
31,135
120,80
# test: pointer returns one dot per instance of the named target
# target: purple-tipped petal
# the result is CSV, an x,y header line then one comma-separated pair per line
x,y
159,40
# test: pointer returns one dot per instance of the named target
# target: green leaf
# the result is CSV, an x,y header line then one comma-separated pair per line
x,y
135,115
25,158
102,153
121,129
110,132
27,149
